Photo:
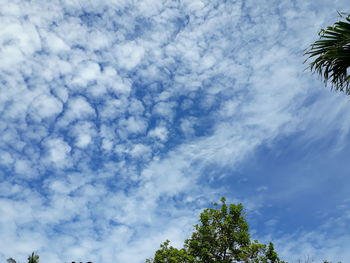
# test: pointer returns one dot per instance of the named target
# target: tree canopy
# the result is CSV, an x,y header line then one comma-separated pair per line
x,y
222,236
330,55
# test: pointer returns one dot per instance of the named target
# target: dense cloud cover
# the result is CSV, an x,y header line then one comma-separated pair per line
x,y
121,120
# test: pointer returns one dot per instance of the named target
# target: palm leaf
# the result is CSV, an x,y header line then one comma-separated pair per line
x,y
331,55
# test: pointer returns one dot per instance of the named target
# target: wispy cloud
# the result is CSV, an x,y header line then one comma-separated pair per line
x,y
118,118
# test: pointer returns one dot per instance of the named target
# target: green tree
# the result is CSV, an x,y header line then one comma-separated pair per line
x,y
222,236
330,55
33,258
169,254
11,260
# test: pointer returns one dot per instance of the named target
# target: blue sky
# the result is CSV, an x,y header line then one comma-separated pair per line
x,y
121,120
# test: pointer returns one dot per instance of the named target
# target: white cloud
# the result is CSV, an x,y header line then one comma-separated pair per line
x,y
160,133
25,169
187,126
140,150
55,44
77,109
45,106
17,41
89,71
132,125
6,158
84,133
57,152
165,109
317,245
113,72
136,107
129,54
121,86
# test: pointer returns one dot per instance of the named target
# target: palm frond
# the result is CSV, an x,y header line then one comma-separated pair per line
x,y
331,55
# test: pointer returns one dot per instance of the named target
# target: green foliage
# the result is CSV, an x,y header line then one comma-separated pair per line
x,y
222,236
33,258
169,254
331,55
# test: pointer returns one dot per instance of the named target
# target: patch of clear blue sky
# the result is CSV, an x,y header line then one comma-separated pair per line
x,y
306,183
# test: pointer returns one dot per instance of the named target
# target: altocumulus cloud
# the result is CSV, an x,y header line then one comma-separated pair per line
x,y
118,119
